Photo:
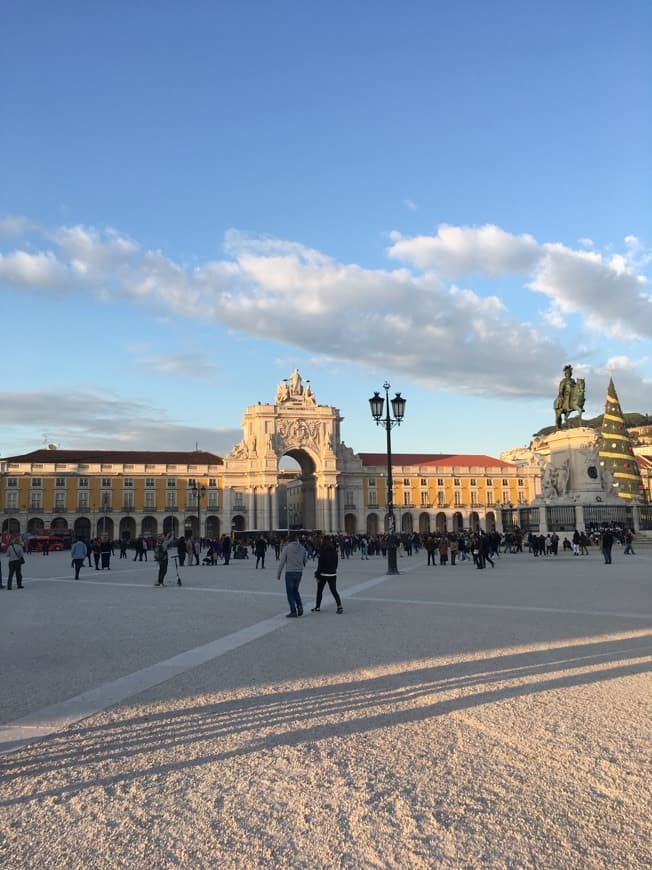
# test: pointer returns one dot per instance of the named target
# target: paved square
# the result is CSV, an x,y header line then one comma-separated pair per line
x,y
450,717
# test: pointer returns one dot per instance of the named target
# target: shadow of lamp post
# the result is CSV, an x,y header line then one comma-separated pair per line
x,y
377,403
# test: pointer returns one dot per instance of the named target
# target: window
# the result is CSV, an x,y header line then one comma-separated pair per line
x,y
128,483
474,497
440,481
191,482
82,482
60,501
407,499
82,501
490,497
150,483
212,498
520,482
505,482
441,498
474,482
171,483
372,481
350,498
35,501
521,497
106,501
60,482
37,482
106,483
12,483
424,498
458,499
406,481
424,482
212,481
171,499
128,499
238,500
12,500
150,500
456,481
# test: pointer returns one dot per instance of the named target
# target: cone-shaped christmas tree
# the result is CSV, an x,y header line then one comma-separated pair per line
x,y
617,460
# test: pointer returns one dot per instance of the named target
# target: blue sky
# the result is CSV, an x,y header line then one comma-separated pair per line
x,y
196,198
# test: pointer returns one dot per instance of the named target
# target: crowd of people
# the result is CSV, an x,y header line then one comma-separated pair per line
x,y
440,548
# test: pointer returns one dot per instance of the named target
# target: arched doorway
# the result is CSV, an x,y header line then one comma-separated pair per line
x,y
474,521
424,524
212,526
350,524
372,524
149,527
35,526
458,522
59,524
407,526
191,526
300,497
83,528
127,529
490,521
11,526
171,526
440,523
105,528
238,523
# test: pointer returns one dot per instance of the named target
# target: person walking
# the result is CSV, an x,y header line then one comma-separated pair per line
x,y
607,543
182,550
96,547
161,556
78,553
106,551
327,573
293,559
226,549
261,549
628,551
16,559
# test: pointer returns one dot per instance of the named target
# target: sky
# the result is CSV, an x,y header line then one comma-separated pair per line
x,y
197,198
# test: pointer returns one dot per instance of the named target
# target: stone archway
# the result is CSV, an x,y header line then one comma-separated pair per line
x,y
440,523
474,521
171,526
105,528
11,526
407,526
59,524
238,523
350,524
458,522
293,425
82,528
490,521
372,524
424,524
149,527
212,527
35,526
127,529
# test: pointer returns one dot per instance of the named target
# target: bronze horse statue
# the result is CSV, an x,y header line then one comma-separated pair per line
x,y
572,400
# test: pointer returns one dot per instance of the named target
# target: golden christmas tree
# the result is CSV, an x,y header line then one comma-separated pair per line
x,y
617,453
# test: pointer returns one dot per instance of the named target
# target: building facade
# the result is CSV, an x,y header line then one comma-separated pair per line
x,y
124,494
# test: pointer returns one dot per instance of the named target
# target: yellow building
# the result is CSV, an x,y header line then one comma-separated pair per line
x,y
118,494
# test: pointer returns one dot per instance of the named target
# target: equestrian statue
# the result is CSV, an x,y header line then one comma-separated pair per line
x,y
570,398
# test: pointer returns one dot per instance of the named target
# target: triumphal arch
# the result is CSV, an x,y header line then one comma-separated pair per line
x,y
255,487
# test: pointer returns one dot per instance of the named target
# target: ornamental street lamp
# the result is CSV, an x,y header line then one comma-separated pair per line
x,y
198,492
376,403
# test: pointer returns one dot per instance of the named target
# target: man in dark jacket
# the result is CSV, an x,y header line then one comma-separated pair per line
x,y
607,544
261,549
327,573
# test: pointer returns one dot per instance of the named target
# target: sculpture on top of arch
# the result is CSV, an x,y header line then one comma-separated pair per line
x,y
292,390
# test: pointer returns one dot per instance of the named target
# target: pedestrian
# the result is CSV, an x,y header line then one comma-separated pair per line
x,y
628,551
16,559
293,558
161,556
78,554
327,573
106,551
97,552
182,550
226,549
453,550
443,551
123,548
261,549
607,543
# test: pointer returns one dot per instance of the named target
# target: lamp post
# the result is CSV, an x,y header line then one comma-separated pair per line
x,y
198,492
377,403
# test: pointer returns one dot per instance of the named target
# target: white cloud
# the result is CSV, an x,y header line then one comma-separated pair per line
x,y
410,204
178,365
446,336
455,251
97,419
608,293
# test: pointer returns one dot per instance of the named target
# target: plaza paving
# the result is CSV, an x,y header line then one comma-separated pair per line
x,y
450,717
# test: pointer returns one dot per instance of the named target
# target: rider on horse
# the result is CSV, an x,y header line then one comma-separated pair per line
x,y
570,397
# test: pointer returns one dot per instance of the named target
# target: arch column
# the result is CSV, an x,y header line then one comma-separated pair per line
x,y
274,499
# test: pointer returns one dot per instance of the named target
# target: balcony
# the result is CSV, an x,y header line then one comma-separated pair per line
x,y
350,507
373,505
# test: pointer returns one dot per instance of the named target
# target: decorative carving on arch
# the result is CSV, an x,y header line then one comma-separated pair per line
x,y
297,433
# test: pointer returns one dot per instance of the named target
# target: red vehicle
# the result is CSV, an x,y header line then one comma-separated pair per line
x,y
36,543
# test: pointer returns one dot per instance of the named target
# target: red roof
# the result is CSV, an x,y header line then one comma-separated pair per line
x,y
135,457
464,460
